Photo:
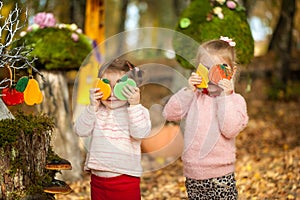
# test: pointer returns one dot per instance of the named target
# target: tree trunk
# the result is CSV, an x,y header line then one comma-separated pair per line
x,y
281,42
56,104
22,166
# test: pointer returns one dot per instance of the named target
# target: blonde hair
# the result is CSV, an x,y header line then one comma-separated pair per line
x,y
218,48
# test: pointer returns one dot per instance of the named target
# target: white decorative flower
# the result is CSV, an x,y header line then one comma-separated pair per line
x,y
79,31
221,1
60,26
23,33
217,10
73,27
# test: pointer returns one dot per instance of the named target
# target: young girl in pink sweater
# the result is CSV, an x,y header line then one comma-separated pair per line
x,y
115,127
214,116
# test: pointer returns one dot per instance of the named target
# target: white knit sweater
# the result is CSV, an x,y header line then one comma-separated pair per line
x,y
115,138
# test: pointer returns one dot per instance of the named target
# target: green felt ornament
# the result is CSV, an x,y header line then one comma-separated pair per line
x,y
22,84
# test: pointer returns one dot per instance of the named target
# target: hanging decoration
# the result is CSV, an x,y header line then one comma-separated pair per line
x,y
25,90
32,92
12,97
22,84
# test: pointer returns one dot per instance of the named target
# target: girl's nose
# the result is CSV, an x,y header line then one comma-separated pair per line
x,y
112,91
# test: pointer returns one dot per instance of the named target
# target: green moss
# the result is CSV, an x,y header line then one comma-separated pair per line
x,y
12,148
55,49
29,124
233,25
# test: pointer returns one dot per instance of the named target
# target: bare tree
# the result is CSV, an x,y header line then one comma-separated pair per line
x,y
14,57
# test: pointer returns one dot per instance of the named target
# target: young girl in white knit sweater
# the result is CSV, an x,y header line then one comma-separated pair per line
x,y
214,117
116,128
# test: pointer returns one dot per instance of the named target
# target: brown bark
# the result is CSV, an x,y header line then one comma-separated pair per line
x,y
56,104
22,165
281,42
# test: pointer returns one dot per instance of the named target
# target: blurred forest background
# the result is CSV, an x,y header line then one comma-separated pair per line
x,y
274,25
268,165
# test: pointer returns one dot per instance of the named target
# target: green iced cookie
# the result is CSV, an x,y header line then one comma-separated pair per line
x,y
120,85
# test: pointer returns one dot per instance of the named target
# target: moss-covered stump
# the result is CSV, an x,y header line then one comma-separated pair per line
x,y
199,22
24,146
55,49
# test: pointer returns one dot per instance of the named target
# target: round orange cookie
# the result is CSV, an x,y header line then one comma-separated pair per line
x,y
104,87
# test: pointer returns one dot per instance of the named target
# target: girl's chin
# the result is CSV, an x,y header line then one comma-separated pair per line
x,y
214,93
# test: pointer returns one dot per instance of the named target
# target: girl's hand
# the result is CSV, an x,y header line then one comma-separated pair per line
x,y
132,94
194,80
227,86
95,97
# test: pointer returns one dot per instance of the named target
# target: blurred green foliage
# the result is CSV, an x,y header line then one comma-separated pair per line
x,y
55,48
233,25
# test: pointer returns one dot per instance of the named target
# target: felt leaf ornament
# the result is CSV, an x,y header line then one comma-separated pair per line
x,y
203,72
219,72
104,86
22,84
32,93
12,97
121,84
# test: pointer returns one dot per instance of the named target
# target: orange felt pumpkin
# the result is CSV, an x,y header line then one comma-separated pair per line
x,y
32,93
219,72
104,86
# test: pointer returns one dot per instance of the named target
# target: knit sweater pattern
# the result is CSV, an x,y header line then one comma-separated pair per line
x,y
210,127
115,138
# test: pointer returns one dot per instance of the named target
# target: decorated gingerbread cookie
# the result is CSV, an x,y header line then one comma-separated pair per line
x,y
203,72
104,86
219,72
121,84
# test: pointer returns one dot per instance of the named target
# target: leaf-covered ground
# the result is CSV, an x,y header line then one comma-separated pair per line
x,y
268,158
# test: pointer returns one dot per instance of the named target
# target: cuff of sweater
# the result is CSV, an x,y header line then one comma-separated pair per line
x,y
90,111
136,112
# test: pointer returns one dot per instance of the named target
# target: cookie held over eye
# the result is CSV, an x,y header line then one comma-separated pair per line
x,y
203,72
104,86
121,84
219,72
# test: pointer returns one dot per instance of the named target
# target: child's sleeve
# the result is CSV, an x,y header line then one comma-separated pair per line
x,y
178,105
84,124
139,121
232,114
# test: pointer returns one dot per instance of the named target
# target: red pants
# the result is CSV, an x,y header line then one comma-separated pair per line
x,y
121,187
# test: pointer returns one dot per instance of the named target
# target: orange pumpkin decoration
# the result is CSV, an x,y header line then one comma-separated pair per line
x,y
166,141
219,72
32,93
104,86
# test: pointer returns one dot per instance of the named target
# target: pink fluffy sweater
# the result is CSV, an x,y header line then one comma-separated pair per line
x,y
211,125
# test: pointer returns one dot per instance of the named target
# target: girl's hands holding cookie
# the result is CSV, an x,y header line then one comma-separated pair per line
x,y
227,86
132,94
194,80
95,97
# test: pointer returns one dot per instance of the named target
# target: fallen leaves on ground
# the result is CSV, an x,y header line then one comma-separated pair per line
x,y
268,160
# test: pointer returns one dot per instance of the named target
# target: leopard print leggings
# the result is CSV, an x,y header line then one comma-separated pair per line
x,y
221,188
